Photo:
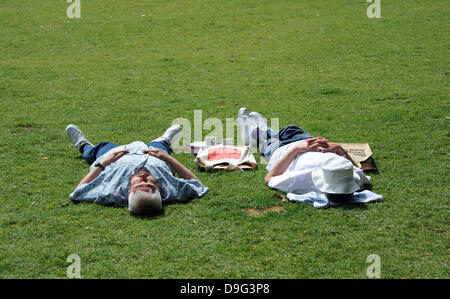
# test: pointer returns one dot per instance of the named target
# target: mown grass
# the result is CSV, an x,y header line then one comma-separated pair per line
x,y
122,77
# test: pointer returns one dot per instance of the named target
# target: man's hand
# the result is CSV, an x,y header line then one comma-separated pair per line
x,y
312,145
325,146
334,148
113,157
157,153
317,139
94,173
179,168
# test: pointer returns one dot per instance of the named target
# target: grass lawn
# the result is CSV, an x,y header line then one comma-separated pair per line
x,y
127,68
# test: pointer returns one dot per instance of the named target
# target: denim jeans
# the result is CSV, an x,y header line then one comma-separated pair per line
x,y
92,153
276,139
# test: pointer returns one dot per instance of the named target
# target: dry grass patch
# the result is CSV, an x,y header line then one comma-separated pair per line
x,y
257,213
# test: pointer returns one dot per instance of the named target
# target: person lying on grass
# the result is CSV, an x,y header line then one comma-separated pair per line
x,y
300,163
137,175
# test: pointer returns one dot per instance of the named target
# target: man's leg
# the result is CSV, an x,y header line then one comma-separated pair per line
x,y
290,134
165,141
276,139
76,137
255,132
162,145
91,153
251,126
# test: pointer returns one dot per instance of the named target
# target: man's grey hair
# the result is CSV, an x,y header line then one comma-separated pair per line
x,y
141,202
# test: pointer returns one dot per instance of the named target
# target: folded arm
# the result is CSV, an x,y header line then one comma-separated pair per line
x,y
336,148
317,144
94,173
312,144
182,170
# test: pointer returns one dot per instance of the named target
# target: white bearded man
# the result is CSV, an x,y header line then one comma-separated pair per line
x,y
138,175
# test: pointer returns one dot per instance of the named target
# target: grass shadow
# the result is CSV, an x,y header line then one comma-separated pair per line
x,y
352,206
151,216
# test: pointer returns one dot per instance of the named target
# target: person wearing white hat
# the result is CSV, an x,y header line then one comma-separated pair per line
x,y
300,163
336,178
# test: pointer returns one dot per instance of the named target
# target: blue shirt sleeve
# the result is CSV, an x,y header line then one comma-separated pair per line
x,y
175,189
186,190
108,189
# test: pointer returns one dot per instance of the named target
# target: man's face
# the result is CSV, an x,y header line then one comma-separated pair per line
x,y
143,180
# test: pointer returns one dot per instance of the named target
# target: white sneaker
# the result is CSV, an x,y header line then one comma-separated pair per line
x,y
171,135
242,123
255,115
261,122
248,127
243,112
76,136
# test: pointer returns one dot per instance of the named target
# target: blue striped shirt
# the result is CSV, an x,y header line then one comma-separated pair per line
x,y
111,186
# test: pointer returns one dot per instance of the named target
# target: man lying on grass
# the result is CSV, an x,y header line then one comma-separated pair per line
x,y
136,175
299,163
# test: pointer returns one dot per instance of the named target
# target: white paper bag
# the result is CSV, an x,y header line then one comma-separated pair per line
x,y
230,158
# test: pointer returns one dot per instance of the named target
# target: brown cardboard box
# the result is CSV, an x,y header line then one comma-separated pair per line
x,y
361,154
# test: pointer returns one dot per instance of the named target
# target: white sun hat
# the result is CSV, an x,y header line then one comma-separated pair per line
x,y
336,176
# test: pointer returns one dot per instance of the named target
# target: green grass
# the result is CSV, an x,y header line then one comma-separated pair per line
x,y
122,77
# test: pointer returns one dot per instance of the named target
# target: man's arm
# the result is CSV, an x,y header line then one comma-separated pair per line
x,y
182,170
90,176
336,148
94,173
313,144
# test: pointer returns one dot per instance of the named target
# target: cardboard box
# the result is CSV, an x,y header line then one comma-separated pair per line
x,y
361,154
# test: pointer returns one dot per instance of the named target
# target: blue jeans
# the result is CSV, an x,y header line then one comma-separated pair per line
x,y
91,153
276,139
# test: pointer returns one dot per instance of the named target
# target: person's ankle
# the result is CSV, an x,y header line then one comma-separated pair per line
x,y
82,147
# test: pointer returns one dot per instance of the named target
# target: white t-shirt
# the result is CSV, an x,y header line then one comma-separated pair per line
x,y
297,177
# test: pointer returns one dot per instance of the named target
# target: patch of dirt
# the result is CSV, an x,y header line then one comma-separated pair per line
x,y
279,196
256,213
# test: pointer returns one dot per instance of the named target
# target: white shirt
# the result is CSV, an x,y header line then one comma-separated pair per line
x,y
297,177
